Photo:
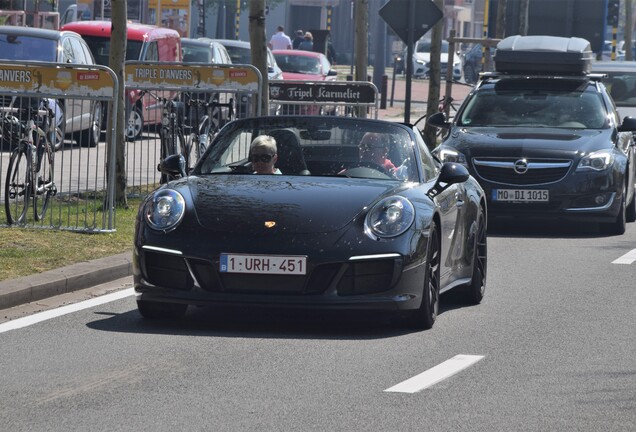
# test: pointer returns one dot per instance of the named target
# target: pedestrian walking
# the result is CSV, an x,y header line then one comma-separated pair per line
x,y
280,40
298,39
308,42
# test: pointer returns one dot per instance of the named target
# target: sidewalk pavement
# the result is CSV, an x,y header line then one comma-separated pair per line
x,y
90,273
54,282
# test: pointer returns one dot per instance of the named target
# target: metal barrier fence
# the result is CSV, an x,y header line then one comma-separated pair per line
x,y
151,86
341,98
79,97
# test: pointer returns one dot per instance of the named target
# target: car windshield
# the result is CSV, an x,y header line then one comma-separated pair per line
x,y
317,147
425,46
196,54
100,47
298,64
239,55
22,47
536,103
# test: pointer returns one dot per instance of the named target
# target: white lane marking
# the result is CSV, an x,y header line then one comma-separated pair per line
x,y
628,258
436,374
64,310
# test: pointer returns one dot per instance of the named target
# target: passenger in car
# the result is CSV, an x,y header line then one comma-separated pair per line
x,y
373,149
263,155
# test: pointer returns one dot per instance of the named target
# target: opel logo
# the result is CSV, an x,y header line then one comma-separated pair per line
x,y
521,166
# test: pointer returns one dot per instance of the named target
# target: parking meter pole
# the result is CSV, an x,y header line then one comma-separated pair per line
x,y
383,90
393,85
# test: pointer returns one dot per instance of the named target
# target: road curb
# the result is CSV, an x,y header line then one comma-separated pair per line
x,y
54,282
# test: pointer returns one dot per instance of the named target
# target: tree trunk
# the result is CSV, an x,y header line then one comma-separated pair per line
x,y
501,19
523,17
434,82
629,30
259,48
116,60
361,20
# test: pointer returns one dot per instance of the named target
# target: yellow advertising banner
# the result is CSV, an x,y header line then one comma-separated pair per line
x,y
182,77
56,81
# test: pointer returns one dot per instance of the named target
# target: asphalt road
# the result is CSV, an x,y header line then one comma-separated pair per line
x,y
554,345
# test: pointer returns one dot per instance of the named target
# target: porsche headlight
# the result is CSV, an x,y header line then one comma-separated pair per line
x,y
596,161
389,218
164,210
451,155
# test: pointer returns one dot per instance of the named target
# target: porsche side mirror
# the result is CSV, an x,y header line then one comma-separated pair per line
x,y
173,166
451,173
628,125
438,120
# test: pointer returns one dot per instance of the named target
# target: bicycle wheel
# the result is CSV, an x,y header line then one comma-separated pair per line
x,y
17,188
43,180
192,151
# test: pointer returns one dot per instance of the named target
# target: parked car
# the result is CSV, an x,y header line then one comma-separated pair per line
x,y
208,51
299,65
474,62
241,53
224,235
304,65
204,50
422,60
621,84
543,137
79,117
144,43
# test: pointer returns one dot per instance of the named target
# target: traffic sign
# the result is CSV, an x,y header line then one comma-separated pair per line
x,y
396,15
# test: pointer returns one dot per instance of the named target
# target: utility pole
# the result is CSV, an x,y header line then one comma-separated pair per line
x,y
523,17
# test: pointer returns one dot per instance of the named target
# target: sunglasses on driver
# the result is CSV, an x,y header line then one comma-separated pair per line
x,y
261,158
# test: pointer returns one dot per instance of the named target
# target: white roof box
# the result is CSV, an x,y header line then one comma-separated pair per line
x,y
543,55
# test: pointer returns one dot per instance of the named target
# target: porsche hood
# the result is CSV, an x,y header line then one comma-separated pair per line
x,y
294,205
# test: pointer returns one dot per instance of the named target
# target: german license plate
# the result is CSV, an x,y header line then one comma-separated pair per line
x,y
521,195
263,264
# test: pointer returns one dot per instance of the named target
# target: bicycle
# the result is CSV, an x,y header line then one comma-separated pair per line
x,y
206,127
171,134
31,164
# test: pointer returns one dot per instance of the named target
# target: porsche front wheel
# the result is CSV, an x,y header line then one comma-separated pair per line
x,y
424,317
159,310
473,293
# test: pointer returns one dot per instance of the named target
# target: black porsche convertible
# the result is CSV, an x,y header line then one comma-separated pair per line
x,y
334,228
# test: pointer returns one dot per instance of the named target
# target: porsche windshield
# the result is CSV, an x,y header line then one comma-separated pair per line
x,y
536,103
316,147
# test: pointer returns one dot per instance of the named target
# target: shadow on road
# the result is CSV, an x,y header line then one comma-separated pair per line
x,y
272,323
508,227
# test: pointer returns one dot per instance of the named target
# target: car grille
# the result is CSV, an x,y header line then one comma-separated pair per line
x,y
353,278
521,172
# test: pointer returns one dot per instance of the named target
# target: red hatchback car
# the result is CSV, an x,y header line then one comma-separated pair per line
x,y
299,65
145,43
304,65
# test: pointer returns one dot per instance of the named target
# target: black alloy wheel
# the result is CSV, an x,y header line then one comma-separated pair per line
x,y
424,317
473,293
619,225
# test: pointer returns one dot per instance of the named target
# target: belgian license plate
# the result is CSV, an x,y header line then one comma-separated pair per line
x,y
263,264
521,195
